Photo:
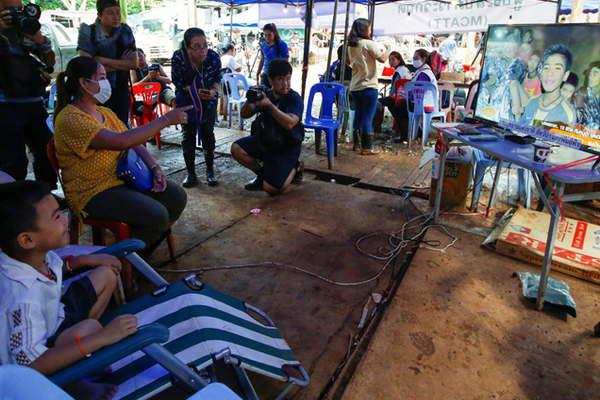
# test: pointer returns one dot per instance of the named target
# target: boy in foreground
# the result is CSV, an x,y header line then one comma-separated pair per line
x,y
40,326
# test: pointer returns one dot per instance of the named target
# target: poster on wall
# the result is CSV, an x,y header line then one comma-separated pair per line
x,y
572,11
400,18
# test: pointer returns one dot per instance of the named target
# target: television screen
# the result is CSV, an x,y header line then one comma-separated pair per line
x,y
544,76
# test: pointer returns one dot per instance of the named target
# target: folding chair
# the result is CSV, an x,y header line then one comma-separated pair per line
x,y
187,326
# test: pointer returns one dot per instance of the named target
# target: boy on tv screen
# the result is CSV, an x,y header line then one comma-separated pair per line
x,y
544,76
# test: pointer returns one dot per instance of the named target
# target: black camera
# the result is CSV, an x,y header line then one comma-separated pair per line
x,y
154,67
256,93
26,19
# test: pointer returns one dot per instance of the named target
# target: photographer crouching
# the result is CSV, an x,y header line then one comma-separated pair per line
x,y
273,149
26,62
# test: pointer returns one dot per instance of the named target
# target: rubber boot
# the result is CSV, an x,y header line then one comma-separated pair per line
x,y
209,157
367,145
191,179
356,139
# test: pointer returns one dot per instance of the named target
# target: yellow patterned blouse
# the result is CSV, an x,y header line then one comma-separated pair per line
x,y
85,171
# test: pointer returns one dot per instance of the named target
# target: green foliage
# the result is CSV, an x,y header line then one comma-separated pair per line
x,y
133,6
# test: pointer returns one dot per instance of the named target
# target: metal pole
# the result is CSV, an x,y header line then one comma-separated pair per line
x,y
551,239
345,48
231,24
372,14
346,116
307,26
331,40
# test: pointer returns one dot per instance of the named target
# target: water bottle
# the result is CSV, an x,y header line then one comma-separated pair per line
x,y
428,102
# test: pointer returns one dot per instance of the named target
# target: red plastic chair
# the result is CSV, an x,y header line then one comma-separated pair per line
x,y
120,230
149,94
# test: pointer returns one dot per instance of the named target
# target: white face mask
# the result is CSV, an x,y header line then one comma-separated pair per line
x,y
417,63
105,91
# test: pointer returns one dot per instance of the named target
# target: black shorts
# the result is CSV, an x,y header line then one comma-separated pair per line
x,y
79,299
277,165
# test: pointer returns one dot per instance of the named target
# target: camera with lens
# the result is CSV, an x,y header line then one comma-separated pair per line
x,y
26,19
256,93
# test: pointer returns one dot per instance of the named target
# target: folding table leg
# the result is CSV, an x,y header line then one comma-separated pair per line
x,y
546,266
494,187
440,182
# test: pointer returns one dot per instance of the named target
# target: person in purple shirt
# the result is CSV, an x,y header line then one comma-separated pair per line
x,y
271,48
196,67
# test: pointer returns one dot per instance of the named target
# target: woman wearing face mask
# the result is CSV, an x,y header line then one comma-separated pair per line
x,y
363,54
423,73
89,140
196,74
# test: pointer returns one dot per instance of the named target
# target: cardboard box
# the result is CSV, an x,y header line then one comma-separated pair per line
x,y
576,249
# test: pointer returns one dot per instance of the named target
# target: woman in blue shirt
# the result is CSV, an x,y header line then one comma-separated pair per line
x,y
196,74
271,48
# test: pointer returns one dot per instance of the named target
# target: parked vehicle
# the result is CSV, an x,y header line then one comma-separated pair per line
x,y
64,44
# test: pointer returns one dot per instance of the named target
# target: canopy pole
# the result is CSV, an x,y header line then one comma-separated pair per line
x,y
331,40
307,26
346,115
372,14
231,24
345,46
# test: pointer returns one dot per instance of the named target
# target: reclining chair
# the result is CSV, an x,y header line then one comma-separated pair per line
x,y
185,327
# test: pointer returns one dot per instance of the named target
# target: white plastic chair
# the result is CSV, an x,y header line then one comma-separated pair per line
x,y
446,91
236,85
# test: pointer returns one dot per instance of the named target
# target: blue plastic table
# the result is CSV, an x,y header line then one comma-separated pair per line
x,y
522,155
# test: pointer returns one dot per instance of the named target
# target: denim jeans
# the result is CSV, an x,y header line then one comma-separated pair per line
x,y
365,103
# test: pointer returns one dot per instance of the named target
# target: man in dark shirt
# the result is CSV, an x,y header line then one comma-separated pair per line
x,y
112,44
23,81
273,155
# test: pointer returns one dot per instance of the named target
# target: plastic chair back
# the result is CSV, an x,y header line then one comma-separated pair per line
x,y
147,92
399,92
237,85
471,98
446,91
415,93
415,96
330,92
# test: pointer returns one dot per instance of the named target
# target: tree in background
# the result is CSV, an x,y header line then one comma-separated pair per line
x,y
133,6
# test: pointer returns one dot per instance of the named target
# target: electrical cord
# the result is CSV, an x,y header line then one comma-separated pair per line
x,y
396,240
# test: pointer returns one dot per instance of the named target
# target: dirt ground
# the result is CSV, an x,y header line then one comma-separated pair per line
x,y
457,327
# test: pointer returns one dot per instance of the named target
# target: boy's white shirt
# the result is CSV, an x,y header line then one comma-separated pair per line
x,y
30,308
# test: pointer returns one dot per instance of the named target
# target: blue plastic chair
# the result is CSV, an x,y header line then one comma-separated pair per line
x,y
482,162
415,93
332,93
237,86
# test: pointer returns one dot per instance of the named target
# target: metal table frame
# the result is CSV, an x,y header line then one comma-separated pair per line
x,y
551,204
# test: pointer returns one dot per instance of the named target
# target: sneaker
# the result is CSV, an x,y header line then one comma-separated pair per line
x,y
255,185
211,180
299,172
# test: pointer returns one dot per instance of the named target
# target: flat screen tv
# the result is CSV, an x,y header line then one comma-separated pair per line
x,y
543,76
